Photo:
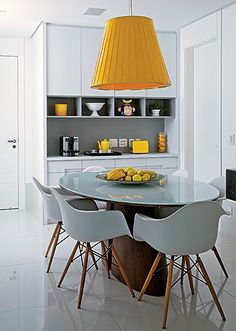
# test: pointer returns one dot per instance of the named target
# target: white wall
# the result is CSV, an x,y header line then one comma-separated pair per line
x,y
35,127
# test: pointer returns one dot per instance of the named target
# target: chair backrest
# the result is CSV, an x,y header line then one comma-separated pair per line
x,y
71,170
94,169
220,184
190,230
50,203
89,226
181,173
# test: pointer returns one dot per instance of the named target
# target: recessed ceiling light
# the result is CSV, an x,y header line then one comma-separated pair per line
x,y
94,11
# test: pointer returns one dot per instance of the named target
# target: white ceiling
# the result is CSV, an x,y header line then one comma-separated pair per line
x,y
23,16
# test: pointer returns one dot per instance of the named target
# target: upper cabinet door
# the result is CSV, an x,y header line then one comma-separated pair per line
x,y
228,88
91,41
168,46
63,61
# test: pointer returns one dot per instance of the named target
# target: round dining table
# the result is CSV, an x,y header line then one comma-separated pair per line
x,y
157,200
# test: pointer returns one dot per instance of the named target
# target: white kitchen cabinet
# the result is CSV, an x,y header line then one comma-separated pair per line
x,y
63,61
60,166
91,41
107,164
53,178
136,163
228,88
165,162
164,165
168,46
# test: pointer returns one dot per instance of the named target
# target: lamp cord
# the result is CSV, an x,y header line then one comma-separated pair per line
x,y
130,7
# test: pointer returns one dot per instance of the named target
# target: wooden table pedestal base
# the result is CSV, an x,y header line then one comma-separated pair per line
x,y
137,256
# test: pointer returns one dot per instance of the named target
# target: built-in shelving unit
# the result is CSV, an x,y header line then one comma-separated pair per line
x,y
77,107
71,56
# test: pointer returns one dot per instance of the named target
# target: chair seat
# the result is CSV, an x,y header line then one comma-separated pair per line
x,y
101,204
82,204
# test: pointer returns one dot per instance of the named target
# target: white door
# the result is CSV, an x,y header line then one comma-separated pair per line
x,y
8,133
207,112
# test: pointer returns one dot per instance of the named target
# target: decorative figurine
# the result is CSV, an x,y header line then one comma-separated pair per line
x,y
126,109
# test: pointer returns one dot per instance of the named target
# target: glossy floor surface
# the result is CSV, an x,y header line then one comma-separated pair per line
x,y
31,301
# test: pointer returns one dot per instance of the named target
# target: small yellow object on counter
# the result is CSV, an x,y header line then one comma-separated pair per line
x,y
140,146
162,142
61,109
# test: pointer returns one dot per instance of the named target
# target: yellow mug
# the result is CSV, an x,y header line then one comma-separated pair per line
x,y
61,109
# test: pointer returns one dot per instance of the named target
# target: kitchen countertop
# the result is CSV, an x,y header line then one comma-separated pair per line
x,y
123,156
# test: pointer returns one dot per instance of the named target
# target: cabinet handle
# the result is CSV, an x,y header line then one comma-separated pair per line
x,y
232,139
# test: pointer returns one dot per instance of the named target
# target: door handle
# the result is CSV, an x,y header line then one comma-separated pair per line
x,y
12,141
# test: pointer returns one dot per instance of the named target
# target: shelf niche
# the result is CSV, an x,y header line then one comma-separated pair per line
x,y
106,110
73,105
166,106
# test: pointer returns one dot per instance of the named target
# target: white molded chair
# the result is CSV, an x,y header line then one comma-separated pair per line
x,y
94,169
93,226
191,230
53,213
181,173
220,184
101,204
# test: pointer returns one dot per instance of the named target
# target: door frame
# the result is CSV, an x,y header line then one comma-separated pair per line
x,y
17,50
192,36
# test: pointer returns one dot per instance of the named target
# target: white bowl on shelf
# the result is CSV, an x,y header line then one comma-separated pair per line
x,y
156,112
94,107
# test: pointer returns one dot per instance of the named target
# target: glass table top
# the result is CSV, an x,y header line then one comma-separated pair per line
x,y
171,191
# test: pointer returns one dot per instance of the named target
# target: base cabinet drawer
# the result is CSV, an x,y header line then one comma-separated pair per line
x,y
60,166
136,163
53,178
107,164
162,162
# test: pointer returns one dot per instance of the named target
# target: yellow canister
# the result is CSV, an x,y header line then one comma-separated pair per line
x,y
61,109
140,146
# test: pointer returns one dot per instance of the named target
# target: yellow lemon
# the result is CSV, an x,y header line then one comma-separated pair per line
x,y
128,169
137,178
140,172
146,177
128,178
131,172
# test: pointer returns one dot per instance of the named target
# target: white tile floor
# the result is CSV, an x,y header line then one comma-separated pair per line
x,y
31,301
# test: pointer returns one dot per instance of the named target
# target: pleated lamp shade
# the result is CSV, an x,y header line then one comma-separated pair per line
x,y
130,57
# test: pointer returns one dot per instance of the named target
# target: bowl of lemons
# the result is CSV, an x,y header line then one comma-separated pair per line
x,y
130,175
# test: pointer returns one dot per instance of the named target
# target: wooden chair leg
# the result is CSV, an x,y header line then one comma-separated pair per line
x,y
190,277
68,263
93,258
182,271
149,276
54,246
83,275
105,261
122,269
167,294
51,240
211,288
220,261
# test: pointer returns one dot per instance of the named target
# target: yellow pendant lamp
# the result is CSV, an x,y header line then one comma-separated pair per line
x,y
130,57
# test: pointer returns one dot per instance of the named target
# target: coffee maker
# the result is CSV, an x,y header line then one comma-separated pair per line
x,y
69,146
